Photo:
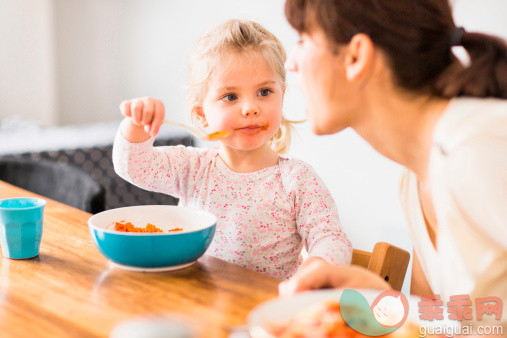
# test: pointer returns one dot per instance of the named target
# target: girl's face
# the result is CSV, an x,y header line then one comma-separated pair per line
x,y
322,78
245,99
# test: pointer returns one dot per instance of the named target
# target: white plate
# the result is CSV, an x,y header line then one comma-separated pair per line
x,y
282,309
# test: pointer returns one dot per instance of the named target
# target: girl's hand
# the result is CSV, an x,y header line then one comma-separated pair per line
x,y
145,113
318,274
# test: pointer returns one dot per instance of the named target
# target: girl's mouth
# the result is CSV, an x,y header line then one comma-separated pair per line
x,y
254,128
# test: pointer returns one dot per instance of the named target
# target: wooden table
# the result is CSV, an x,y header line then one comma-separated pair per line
x,y
70,289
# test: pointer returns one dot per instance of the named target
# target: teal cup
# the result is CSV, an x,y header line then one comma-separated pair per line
x,y
21,226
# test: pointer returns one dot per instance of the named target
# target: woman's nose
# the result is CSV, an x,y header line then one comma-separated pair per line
x,y
290,64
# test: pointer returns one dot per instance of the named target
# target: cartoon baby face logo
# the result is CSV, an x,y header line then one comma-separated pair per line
x,y
390,308
387,312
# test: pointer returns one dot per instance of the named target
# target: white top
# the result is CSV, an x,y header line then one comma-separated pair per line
x,y
264,217
468,181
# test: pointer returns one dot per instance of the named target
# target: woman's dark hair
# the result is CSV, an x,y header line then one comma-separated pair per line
x,y
416,36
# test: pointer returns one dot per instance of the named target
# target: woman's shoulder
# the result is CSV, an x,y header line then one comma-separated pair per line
x,y
466,119
469,163
470,153
471,104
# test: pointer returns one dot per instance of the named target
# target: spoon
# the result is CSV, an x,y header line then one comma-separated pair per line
x,y
201,133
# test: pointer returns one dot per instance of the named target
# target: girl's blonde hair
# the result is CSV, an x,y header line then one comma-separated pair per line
x,y
214,49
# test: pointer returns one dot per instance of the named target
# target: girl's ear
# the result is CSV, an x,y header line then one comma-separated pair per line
x,y
198,115
359,57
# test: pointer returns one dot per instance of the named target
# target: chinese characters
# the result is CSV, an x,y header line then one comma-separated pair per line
x,y
459,307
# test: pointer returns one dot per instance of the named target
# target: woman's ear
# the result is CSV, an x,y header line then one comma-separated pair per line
x,y
198,115
359,57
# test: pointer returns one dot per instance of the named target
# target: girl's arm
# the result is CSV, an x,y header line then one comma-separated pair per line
x,y
144,117
169,170
317,217
133,133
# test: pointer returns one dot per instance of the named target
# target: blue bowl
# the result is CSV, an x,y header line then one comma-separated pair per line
x,y
153,251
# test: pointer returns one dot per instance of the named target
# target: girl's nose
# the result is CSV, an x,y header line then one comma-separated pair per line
x,y
290,64
250,110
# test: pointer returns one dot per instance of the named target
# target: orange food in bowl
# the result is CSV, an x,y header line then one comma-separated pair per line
x,y
129,227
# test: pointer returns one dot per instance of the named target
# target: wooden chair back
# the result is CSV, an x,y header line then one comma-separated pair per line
x,y
386,260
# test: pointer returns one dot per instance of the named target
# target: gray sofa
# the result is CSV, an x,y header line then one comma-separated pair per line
x,y
89,147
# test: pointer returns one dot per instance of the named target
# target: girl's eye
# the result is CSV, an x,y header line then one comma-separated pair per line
x,y
265,92
230,97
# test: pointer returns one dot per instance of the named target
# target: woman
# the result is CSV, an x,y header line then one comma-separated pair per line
x,y
386,69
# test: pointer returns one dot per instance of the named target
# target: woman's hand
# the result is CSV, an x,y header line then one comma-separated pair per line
x,y
145,115
317,274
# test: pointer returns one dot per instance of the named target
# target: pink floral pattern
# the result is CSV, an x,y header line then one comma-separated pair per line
x,y
264,217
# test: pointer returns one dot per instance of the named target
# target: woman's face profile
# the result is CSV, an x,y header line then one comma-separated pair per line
x,y
322,78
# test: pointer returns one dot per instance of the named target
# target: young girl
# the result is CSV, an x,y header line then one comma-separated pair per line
x,y
267,205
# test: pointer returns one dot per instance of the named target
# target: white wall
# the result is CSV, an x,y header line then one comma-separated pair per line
x,y
109,50
89,65
488,16
27,62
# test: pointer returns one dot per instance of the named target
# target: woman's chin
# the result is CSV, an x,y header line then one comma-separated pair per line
x,y
321,130
327,128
